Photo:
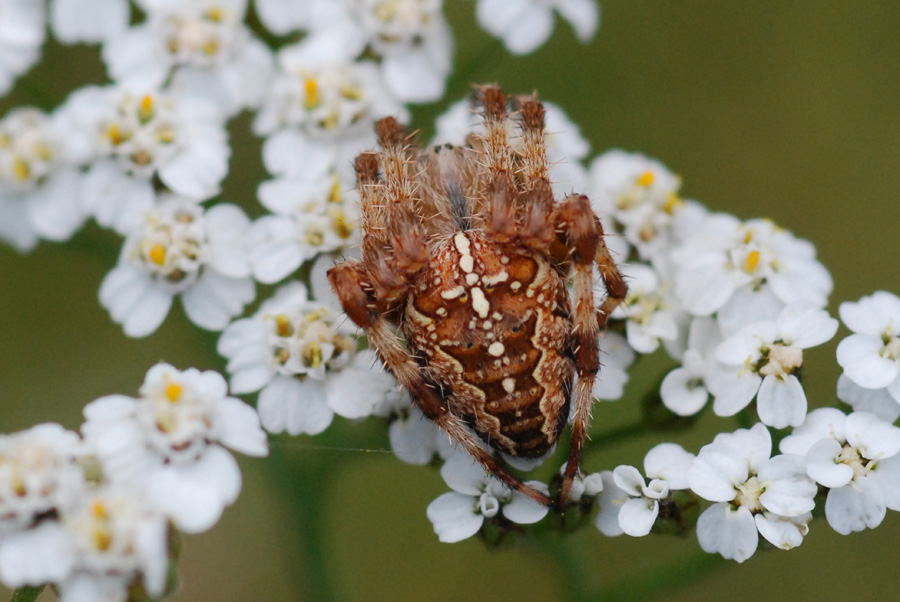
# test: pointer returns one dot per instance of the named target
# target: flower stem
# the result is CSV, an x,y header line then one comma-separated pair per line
x,y
26,594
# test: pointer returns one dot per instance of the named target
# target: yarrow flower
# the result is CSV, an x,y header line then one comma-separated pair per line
x,y
170,442
38,181
629,503
297,353
202,45
870,356
181,250
753,494
130,137
856,457
477,497
763,359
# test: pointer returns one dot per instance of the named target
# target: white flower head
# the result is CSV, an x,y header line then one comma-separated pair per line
x,y
301,355
685,390
38,184
311,215
746,271
632,505
870,356
566,147
203,46
616,357
477,496
763,360
181,250
319,89
856,457
89,21
524,25
170,442
131,137
38,473
650,316
752,493
640,195
22,32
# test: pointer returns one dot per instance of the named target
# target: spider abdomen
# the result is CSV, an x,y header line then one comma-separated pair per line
x,y
488,322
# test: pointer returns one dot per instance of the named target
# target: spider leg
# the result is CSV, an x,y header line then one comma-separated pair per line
x,y
616,288
537,231
349,280
578,226
501,194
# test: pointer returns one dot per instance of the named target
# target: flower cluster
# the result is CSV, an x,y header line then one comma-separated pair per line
x,y
94,514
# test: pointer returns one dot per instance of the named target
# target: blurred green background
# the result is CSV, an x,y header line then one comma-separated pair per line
x,y
789,110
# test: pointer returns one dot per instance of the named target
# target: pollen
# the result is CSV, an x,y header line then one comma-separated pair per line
x,y
214,14
21,169
173,392
673,202
157,254
313,98
145,112
334,196
283,326
211,47
752,262
115,134
646,179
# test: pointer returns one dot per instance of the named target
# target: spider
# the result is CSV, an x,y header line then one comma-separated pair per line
x,y
462,292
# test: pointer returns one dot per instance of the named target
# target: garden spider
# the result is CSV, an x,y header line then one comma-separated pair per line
x,y
466,254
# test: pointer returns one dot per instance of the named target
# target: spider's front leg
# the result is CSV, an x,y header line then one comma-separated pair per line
x,y
582,233
349,280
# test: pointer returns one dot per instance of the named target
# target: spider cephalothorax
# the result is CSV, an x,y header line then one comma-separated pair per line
x,y
467,254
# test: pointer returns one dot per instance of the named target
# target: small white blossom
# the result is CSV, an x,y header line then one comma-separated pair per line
x,y
752,493
181,250
746,271
524,25
320,90
633,504
685,390
131,137
38,183
302,358
170,442
762,360
856,457
22,32
650,317
203,46
616,357
476,496
870,356
640,196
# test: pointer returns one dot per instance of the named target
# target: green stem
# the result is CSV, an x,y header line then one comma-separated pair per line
x,y
27,594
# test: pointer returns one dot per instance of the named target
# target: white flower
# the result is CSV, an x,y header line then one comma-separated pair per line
x,y
856,457
88,21
870,356
640,194
170,442
203,46
476,496
524,25
632,506
762,360
320,90
725,259
131,137
305,365
22,32
566,147
875,401
649,316
181,250
314,211
38,184
38,473
753,492
684,390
